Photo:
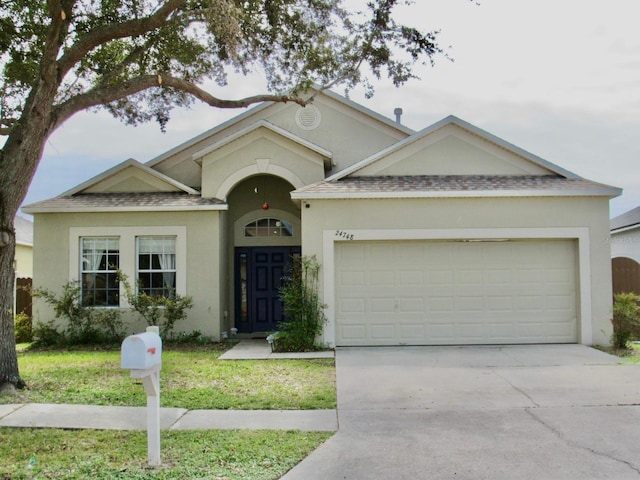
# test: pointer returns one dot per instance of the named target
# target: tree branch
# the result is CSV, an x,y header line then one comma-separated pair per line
x,y
131,28
107,94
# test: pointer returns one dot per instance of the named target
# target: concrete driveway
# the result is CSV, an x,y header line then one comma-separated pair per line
x,y
544,412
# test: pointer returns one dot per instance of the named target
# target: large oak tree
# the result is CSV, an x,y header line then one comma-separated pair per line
x,y
138,59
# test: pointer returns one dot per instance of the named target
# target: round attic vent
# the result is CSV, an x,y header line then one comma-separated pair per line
x,y
308,117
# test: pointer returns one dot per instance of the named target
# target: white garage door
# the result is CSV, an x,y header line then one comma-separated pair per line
x,y
450,293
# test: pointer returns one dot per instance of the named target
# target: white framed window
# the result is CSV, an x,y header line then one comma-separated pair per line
x,y
98,271
156,265
128,261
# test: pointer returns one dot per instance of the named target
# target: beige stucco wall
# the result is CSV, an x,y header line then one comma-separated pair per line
x,y
453,151
342,129
626,244
590,215
203,267
260,152
24,260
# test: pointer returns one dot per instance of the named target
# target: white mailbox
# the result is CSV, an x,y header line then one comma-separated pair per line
x,y
141,351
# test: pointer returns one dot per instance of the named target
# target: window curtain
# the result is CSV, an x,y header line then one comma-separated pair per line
x,y
168,266
93,251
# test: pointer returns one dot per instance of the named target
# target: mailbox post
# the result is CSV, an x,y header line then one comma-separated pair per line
x,y
142,354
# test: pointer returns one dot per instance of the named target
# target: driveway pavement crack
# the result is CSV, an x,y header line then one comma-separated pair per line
x,y
517,389
576,445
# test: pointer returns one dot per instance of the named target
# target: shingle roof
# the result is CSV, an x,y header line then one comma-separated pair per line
x,y
453,185
126,202
627,219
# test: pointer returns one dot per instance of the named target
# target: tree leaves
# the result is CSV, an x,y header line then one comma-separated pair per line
x,y
106,45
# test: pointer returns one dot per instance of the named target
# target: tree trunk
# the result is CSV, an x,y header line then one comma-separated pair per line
x,y
19,159
8,358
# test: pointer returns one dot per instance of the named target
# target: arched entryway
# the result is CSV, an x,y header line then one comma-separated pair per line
x,y
626,275
264,232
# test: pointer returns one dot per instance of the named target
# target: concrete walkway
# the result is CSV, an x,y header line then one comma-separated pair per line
x,y
259,349
135,418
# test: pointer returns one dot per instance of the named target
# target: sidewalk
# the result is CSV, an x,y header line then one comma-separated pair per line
x,y
44,415
135,418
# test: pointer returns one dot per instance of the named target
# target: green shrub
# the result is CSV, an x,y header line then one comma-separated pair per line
x,y
23,328
626,316
82,325
47,335
304,314
159,310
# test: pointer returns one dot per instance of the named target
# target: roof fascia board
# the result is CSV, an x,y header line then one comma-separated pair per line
x,y
269,126
122,166
368,112
626,228
265,105
35,209
453,120
208,133
457,194
510,146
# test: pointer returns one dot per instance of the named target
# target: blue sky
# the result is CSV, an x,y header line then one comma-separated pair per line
x,y
559,78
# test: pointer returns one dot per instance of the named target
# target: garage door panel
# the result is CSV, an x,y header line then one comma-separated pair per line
x,y
427,292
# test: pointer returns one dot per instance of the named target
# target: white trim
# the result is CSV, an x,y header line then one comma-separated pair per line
x,y
581,234
452,120
256,169
268,126
123,166
128,255
615,231
453,194
239,240
180,208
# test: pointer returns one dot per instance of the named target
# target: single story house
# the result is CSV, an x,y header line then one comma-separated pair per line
x,y
625,251
448,235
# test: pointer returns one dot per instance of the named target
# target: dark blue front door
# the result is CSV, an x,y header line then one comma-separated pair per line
x,y
259,272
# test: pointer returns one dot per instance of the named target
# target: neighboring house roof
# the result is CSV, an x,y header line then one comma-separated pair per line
x,y
126,202
24,231
425,186
627,221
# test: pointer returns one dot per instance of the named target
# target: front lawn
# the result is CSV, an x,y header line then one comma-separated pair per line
x,y
191,378
82,454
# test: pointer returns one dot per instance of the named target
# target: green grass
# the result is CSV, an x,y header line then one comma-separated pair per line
x,y
191,378
629,355
228,455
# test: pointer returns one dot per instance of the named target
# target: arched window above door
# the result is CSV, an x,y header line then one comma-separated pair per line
x,y
268,227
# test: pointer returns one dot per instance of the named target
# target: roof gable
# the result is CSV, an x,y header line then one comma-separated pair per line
x,y
453,147
130,176
263,129
348,130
